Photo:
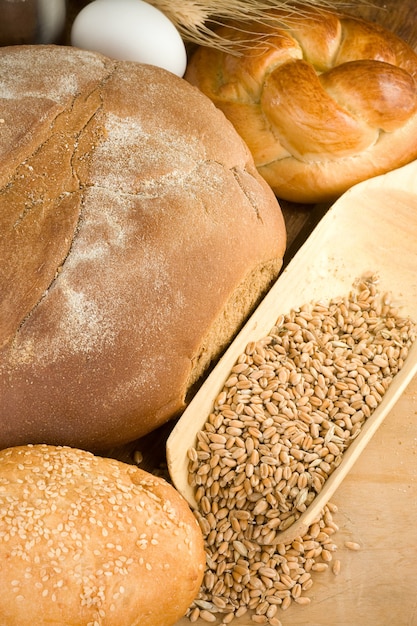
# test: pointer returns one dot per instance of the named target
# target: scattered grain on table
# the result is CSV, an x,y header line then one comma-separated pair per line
x,y
291,406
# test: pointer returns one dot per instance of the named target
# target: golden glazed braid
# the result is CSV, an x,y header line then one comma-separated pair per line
x,y
322,105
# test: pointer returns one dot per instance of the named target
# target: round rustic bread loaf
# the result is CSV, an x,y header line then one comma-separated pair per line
x,y
90,540
323,104
137,235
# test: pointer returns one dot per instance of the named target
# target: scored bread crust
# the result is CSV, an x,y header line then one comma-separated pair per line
x,y
91,540
323,104
137,235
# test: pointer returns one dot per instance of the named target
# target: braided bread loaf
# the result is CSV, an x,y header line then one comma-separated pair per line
x,y
322,104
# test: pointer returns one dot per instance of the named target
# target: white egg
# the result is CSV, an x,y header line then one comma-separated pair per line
x,y
130,30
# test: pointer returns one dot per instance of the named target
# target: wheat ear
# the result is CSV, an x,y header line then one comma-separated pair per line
x,y
195,19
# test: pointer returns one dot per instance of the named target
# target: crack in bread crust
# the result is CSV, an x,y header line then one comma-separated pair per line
x,y
143,219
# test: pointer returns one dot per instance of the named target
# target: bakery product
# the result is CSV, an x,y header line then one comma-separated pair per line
x,y
322,104
137,235
91,540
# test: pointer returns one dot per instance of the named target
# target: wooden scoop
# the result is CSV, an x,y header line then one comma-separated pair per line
x,y
371,228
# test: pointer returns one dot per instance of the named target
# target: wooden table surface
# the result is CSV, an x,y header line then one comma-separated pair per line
x,y
378,500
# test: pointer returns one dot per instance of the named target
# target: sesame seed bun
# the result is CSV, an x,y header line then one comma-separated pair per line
x,y
86,540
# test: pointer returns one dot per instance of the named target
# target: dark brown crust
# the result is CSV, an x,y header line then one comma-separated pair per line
x,y
137,237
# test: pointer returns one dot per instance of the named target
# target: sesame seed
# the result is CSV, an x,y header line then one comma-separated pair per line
x,y
52,525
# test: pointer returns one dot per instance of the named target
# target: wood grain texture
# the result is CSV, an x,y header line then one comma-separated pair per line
x,y
369,226
378,499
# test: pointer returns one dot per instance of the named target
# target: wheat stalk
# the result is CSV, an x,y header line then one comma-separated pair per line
x,y
195,19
